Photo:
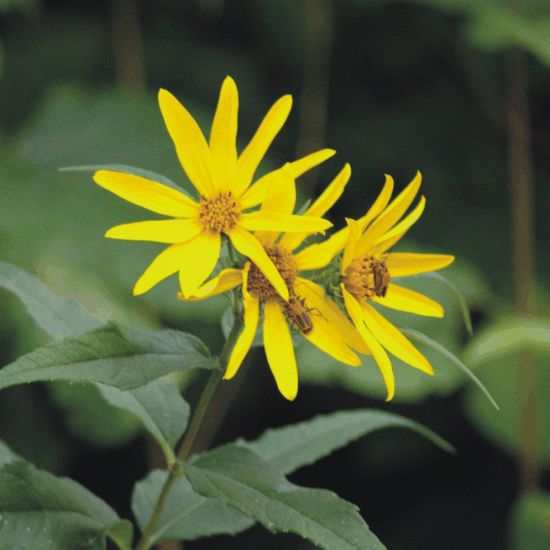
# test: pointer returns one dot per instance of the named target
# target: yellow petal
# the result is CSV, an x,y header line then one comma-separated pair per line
x,y
380,356
254,152
257,192
401,264
264,220
379,204
159,231
396,234
227,279
321,206
249,246
246,337
170,260
404,299
204,252
149,194
191,147
353,238
223,136
390,216
319,255
394,340
324,307
279,350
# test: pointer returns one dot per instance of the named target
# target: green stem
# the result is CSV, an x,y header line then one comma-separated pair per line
x,y
187,444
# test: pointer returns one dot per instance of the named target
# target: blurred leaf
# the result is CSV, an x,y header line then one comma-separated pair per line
x,y
531,522
6,454
508,336
114,355
502,427
240,478
187,515
20,5
421,338
60,513
59,317
292,447
159,406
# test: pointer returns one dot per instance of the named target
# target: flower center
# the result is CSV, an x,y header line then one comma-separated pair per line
x,y
259,286
367,277
219,214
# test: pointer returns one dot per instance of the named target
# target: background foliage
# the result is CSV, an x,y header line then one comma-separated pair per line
x,y
393,87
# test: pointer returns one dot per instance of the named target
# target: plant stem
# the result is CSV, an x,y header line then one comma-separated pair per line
x,y
187,443
523,237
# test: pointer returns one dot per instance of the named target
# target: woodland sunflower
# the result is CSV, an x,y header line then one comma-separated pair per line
x,y
308,309
367,270
223,180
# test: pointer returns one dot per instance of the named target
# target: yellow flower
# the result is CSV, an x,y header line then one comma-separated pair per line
x,y
367,269
315,316
223,180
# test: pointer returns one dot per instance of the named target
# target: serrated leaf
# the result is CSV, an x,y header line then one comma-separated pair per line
x,y
58,512
128,170
159,406
421,338
113,355
187,515
240,478
59,317
291,447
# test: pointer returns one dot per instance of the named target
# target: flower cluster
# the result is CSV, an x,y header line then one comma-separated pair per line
x,y
268,262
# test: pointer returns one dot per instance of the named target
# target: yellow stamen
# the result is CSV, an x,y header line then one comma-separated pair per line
x,y
366,277
219,214
259,286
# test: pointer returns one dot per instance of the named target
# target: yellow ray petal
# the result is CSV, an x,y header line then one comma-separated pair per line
x,y
254,152
170,260
401,264
245,339
191,147
227,279
353,238
404,299
204,252
394,340
159,231
379,204
279,350
320,206
273,221
148,194
396,234
249,246
223,135
380,356
390,216
331,313
319,255
257,192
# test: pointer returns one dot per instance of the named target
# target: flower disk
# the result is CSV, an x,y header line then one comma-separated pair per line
x,y
284,261
367,277
219,214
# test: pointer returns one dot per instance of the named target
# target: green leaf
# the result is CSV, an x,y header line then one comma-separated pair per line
x,y
6,454
291,447
187,515
113,355
420,338
507,336
159,406
128,170
58,316
58,512
531,522
240,478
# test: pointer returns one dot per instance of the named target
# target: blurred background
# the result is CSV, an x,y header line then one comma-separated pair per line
x,y
451,87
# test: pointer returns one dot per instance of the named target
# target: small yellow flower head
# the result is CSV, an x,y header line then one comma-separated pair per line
x,y
367,277
219,214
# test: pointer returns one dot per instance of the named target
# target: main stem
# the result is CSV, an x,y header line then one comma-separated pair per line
x,y
523,241
187,443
